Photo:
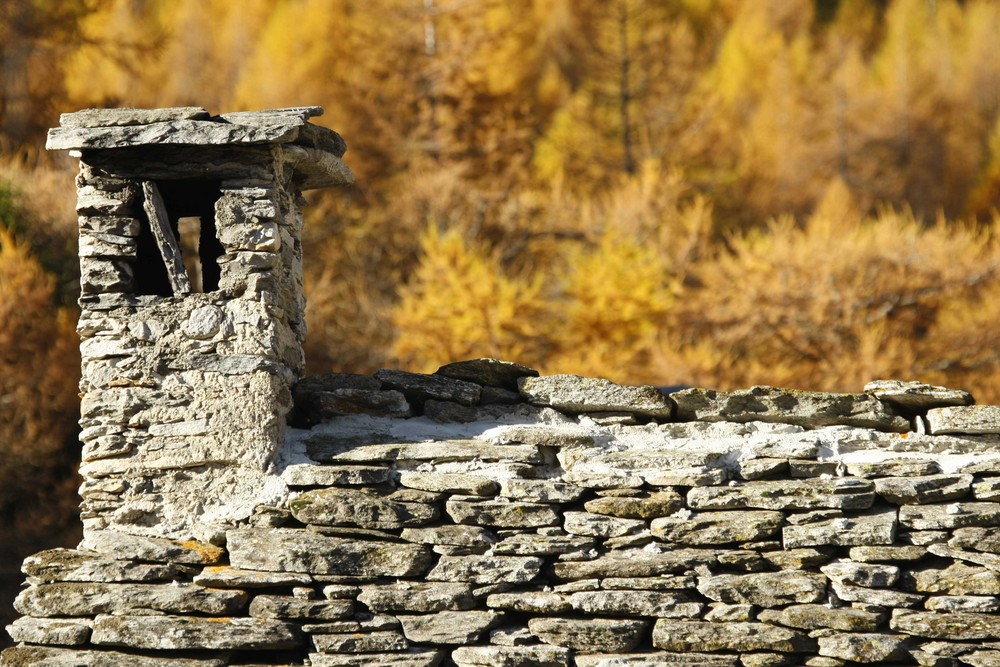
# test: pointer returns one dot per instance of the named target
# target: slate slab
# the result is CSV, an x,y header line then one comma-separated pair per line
x,y
190,632
572,393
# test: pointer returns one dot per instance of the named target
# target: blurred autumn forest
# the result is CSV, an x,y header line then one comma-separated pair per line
x,y
711,192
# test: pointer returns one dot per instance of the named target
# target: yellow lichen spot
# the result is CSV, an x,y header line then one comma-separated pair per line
x,y
209,553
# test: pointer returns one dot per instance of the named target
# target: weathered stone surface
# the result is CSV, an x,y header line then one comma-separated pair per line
x,y
657,660
64,631
648,506
190,632
451,535
153,549
589,634
809,409
599,525
279,606
950,516
573,393
323,397
502,514
953,627
844,493
893,467
880,597
326,448
873,528
535,602
486,569
413,657
529,544
717,527
979,539
682,636
31,656
124,116
541,491
419,388
920,490
981,659
864,647
764,589
448,627
987,489
511,656
414,596
544,435
224,576
352,507
635,563
798,559
73,565
472,485
956,579
817,616
283,550
862,574
182,132
661,604
980,604
887,554
966,419
487,372
916,396
368,642
90,598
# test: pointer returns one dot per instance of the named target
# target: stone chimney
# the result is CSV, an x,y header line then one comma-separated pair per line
x,y
192,313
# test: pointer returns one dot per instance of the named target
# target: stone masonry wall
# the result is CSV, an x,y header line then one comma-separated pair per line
x,y
484,516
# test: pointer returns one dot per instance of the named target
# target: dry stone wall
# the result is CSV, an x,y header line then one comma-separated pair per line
x,y
485,516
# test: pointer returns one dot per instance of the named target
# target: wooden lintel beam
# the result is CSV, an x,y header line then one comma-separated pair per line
x,y
170,250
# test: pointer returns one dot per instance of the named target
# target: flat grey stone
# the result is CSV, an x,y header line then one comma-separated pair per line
x,y
502,514
953,626
887,554
360,642
862,574
423,657
448,627
286,550
420,388
64,631
465,536
764,589
660,604
979,539
950,516
966,419
647,506
706,528
172,132
90,598
817,616
280,606
980,604
31,656
466,484
809,409
486,569
589,634
798,559
534,602
892,468
987,489
864,647
487,372
921,490
916,396
311,474
843,493
73,565
152,549
873,528
981,659
636,563
683,636
224,576
321,406
511,656
544,435
572,393
541,491
956,579
353,507
530,544
599,525
414,596
880,597
657,660
327,448
126,116
190,632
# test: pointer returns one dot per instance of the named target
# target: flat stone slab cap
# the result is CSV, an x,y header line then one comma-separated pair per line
x,y
916,395
86,118
809,409
579,394
967,419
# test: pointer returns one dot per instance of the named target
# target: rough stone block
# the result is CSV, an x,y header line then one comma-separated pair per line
x,y
764,589
189,632
844,493
572,393
682,636
90,598
704,528
414,596
448,627
589,634
966,419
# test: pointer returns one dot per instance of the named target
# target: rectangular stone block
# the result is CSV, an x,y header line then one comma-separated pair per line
x,y
871,529
190,632
843,493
